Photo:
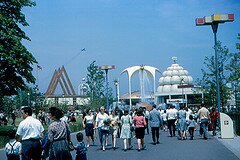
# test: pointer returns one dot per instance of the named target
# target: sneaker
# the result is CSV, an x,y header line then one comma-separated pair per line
x,y
158,142
88,145
103,148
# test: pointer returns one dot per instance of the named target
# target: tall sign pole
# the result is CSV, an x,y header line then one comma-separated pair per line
x,y
106,68
214,20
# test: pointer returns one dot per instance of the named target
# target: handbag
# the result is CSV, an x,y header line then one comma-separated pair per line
x,y
210,127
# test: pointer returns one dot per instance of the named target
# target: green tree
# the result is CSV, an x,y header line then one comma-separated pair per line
x,y
15,60
208,81
95,81
234,77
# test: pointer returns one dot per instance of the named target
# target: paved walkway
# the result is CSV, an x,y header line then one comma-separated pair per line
x,y
169,149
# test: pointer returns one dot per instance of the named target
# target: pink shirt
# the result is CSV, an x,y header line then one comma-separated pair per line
x,y
139,121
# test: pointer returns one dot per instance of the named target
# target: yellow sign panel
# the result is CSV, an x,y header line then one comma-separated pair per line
x,y
216,17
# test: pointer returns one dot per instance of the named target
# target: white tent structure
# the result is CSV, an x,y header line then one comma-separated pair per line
x,y
140,69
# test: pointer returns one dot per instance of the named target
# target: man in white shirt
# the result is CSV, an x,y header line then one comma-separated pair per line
x,y
30,132
204,117
171,118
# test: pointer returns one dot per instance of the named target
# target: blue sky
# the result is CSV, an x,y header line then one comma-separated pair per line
x,y
124,33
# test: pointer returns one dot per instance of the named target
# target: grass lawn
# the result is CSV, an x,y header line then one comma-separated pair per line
x,y
77,126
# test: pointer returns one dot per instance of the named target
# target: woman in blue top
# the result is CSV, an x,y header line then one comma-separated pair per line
x,y
182,123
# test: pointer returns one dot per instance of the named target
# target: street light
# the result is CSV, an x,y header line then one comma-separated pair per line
x,y
116,83
214,20
106,68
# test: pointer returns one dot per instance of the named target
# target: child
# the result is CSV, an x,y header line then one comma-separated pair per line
x,y
191,126
13,148
81,148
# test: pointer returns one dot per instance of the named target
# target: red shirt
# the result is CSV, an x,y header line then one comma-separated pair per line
x,y
139,121
214,116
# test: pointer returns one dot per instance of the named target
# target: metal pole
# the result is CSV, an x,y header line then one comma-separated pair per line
x,y
116,85
106,71
214,28
118,92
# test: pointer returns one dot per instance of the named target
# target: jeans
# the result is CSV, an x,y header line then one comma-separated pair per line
x,y
204,125
102,136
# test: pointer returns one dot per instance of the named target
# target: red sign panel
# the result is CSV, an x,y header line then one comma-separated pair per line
x,y
199,21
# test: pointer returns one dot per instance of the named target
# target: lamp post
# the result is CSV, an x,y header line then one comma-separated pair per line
x,y
106,68
116,86
214,20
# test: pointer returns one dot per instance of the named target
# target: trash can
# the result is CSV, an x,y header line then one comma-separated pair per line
x,y
226,126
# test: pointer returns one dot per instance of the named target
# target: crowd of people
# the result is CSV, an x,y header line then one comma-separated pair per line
x,y
124,124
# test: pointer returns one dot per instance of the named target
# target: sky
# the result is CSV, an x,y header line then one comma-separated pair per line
x,y
124,33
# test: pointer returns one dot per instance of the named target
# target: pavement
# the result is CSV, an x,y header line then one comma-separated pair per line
x,y
170,148
232,144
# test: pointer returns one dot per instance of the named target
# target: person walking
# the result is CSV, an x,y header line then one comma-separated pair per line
x,y
99,124
164,120
13,115
171,118
214,120
191,126
126,122
140,123
59,136
88,124
182,124
114,120
30,132
146,116
204,117
155,122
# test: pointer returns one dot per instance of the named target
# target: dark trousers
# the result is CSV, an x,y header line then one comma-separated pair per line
x,y
155,134
214,125
171,127
31,149
191,132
